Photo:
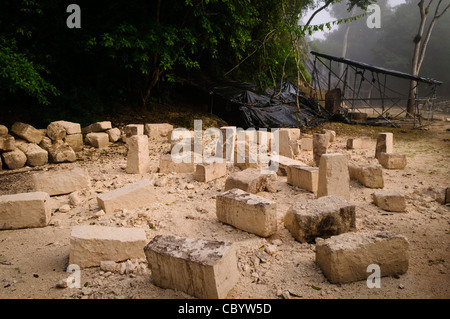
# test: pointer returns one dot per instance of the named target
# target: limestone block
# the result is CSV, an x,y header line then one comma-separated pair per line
x,y
45,143
137,157
307,143
158,130
323,217
7,143
283,163
248,212
90,244
345,258
60,152
36,156
134,129
130,196
97,127
331,134
293,133
229,136
56,131
98,140
385,144
75,141
295,146
362,142
390,200
15,159
305,177
392,160
3,130
114,134
70,127
251,180
284,143
369,175
177,164
61,181
27,132
334,178
320,146
207,172
205,269
24,210
447,195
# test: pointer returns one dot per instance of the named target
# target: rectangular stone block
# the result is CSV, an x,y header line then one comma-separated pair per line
x,y
97,127
392,160
60,152
251,180
320,146
158,130
293,133
345,258
323,217
284,144
36,156
98,139
90,244
305,177
334,178
385,144
369,175
181,164
75,141
205,269
134,129
7,143
390,200
25,210
248,212
62,181
114,134
207,172
27,132
131,196
70,127
362,142
283,164
137,156
307,143
14,159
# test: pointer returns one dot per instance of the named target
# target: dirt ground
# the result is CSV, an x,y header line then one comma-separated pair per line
x,y
33,261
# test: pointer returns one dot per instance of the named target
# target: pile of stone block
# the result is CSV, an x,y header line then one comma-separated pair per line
x,y
384,152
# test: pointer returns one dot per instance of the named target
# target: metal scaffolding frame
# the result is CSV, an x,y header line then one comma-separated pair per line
x,y
387,100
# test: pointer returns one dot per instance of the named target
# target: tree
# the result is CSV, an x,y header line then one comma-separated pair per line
x,y
420,46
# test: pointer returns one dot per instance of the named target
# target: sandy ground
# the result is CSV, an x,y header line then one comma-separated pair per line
x,y
33,261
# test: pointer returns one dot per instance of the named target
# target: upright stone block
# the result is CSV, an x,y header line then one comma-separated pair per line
x,y
75,141
134,129
305,177
98,140
7,143
293,133
331,134
284,143
345,258
323,217
385,144
27,132
251,180
334,178
248,212
320,146
131,196
369,175
229,136
137,157
362,142
307,143
180,164
90,245
61,181
390,200
25,210
205,269
15,159
207,172
392,160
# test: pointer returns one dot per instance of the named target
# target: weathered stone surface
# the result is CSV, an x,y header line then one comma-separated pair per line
x,y
134,129
303,176
207,172
27,132
390,200
370,175
307,143
98,140
248,212
334,178
246,160
168,164
15,159
294,133
60,152
333,100
36,156
284,143
447,195
357,116
137,157
320,146
158,130
61,181
295,146
205,269
392,160
24,210
7,143
345,258
385,144
45,143
97,127
229,143
283,164
70,127
90,245
130,196
323,217
331,135
362,142
251,180
3,130
56,131
114,134
75,141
